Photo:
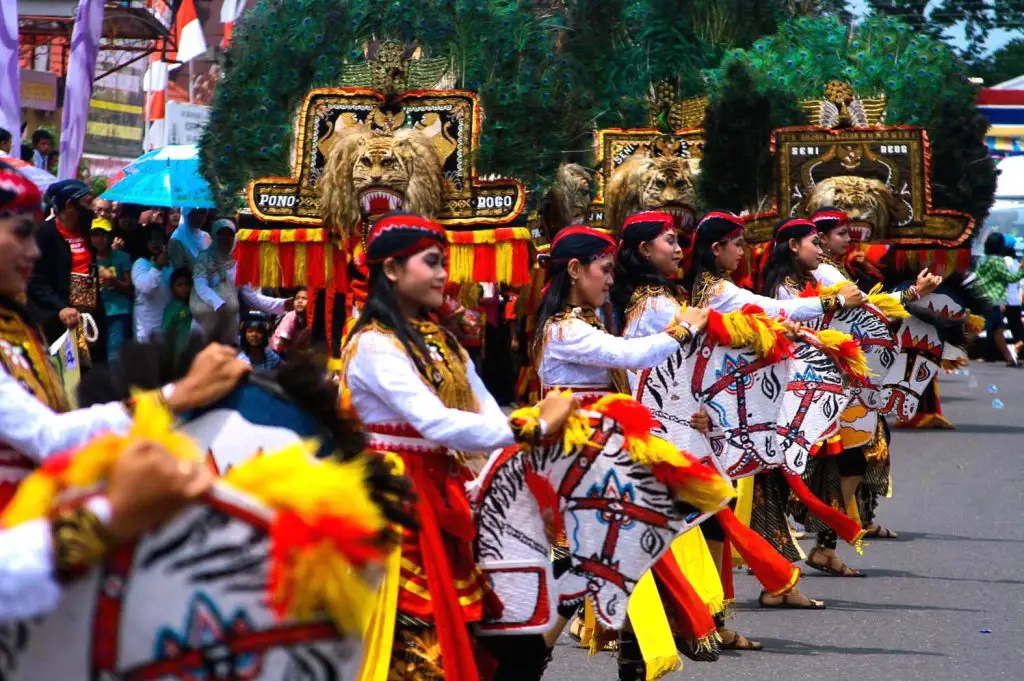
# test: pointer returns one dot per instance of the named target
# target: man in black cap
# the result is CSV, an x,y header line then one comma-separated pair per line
x,y
63,281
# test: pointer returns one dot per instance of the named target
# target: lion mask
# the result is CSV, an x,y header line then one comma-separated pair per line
x,y
643,183
368,175
869,203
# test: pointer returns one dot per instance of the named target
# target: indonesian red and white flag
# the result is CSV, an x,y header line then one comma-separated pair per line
x,y
191,42
155,86
229,13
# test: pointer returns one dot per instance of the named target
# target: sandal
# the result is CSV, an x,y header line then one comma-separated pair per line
x,y
738,642
879,532
698,653
829,566
790,603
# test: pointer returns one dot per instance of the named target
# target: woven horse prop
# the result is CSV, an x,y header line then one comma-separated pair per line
x,y
935,336
615,493
770,400
870,325
205,595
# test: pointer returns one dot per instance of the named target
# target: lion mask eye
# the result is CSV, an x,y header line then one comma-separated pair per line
x,y
387,161
365,161
659,184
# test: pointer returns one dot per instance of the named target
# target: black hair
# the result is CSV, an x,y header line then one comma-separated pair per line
x,y
782,262
180,273
995,244
632,270
554,299
40,135
382,307
5,136
703,260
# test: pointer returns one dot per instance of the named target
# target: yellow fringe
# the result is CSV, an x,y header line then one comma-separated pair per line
x,y
694,559
460,262
856,365
753,330
575,433
974,324
706,494
652,628
378,639
92,463
744,509
503,260
887,304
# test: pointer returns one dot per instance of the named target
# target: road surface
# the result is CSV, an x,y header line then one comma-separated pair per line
x,y
944,602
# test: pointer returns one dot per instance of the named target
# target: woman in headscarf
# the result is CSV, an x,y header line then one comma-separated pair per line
x,y
189,240
215,300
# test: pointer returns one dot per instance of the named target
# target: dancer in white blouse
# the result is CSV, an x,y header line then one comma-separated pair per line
x,y
418,395
572,347
718,250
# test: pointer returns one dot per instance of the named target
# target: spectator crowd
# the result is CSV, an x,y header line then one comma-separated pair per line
x,y
116,273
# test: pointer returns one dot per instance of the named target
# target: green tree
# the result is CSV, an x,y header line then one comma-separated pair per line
x,y
922,78
1002,65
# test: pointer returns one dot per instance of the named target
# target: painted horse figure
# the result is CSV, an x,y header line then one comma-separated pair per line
x,y
619,517
936,335
189,600
768,406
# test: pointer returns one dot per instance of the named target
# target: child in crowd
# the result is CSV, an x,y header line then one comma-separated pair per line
x,y
290,326
115,277
177,322
255,339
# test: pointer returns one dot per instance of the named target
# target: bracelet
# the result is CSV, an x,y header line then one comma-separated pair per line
x,y
681,331
832,303
910,294
80,541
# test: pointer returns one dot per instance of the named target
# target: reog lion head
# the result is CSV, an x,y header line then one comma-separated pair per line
x,y
367,175
869,203
642,183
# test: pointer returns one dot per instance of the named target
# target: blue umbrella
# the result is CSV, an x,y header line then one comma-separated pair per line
x,y
167,177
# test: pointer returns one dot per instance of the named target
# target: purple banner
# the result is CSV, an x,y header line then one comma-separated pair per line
x,y
85,45
10,83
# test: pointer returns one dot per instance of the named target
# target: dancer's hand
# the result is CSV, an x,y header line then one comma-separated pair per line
x,y
554,410
927,282
701,422
696,317
148,486
792,329
852,296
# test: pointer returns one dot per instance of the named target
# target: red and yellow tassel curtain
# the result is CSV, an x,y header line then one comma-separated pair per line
x,y
309,257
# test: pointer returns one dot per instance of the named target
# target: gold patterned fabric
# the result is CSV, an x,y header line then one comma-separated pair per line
x,y
80,540
416,653
769,511
826,258
26,359
705,288
638,301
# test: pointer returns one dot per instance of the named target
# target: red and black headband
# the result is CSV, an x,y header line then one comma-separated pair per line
x,y
828,219
401,235
646,226
793,228
580,243
18,194
720,226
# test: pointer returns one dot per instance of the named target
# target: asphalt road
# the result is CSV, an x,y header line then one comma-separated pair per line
x,y
944,602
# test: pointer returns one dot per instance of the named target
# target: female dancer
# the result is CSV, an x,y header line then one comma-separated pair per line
x,y
833,227
572,347
647,263
418,395
795,254
718,251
